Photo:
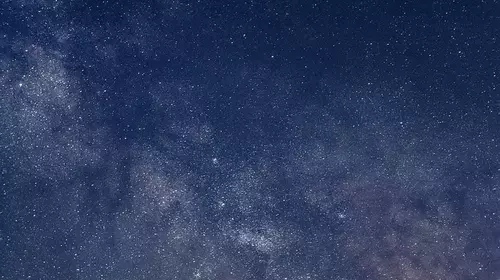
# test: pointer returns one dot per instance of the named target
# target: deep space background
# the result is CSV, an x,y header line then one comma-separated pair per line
x,y
246,139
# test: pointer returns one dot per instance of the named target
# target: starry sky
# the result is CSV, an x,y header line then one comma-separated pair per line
x,y
247,139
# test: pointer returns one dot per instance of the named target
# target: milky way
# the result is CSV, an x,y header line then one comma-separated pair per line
x,y
165,139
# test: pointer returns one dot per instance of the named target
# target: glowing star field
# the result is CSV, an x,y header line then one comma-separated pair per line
x,y
249,140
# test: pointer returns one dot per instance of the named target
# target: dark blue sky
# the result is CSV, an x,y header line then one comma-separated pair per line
x,y
172,139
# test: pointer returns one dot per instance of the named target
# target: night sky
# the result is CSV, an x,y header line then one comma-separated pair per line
x,y
235,140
